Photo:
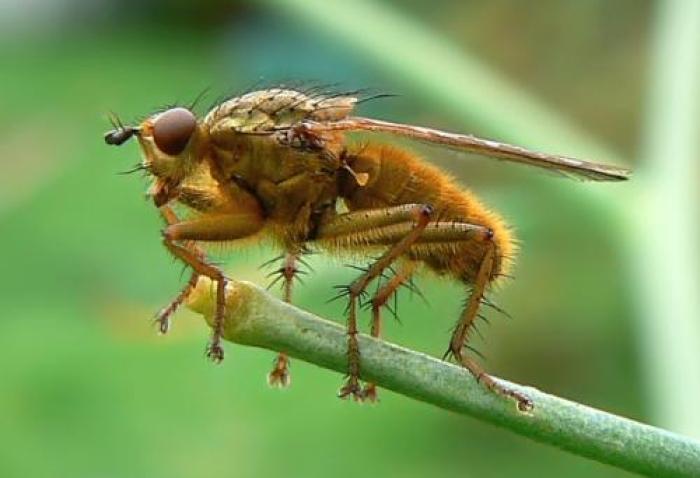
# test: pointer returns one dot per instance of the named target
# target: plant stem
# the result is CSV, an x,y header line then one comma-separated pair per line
x,y
255,318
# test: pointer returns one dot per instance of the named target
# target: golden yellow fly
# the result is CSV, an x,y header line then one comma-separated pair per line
x,y
277,163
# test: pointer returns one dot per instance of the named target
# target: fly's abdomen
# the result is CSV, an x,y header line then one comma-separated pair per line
x,y
396,177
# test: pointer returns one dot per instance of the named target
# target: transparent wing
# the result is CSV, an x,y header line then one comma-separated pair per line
x,y
484,147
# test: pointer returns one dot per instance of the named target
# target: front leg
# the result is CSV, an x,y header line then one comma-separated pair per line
x,y
163,316
210,228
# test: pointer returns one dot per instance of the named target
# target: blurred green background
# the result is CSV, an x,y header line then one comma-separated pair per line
x,y
88,389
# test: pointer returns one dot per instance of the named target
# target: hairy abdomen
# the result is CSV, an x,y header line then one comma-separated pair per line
x,y
399,177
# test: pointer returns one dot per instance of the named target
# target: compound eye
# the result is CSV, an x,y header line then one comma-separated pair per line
x,y
172,130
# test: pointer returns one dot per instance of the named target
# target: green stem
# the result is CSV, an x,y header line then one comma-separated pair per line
x,y
258,319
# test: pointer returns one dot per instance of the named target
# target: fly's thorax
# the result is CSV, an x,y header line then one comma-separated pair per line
x,y
274,109
262,157
247,134
292,185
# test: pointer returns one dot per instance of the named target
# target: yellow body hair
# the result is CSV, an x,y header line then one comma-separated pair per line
x,y
397,176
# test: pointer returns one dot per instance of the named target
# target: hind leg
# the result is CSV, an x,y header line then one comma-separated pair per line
x,y
461,334
444,238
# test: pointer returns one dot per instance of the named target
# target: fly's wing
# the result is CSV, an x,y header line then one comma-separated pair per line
x,y
484,147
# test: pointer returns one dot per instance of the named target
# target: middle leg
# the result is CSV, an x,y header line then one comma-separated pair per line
x,y
279,376
381,297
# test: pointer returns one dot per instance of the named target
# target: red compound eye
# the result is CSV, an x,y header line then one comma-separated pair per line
x,y
172,130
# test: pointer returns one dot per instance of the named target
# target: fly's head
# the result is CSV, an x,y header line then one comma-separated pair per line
x,y
171,142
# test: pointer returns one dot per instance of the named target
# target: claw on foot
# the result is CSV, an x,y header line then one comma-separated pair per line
x,y
215,353
523,402
163,323
369,393
351,388
525,405
279,376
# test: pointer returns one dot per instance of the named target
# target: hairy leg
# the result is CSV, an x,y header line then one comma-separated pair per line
x,y
385,292
279,376
163,316
465,324
440,237
178,236
356,226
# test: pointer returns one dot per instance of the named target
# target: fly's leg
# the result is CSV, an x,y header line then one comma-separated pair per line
x,y
214,351
279,376
349,227
461,333
378,301
163,316
210,228
440,237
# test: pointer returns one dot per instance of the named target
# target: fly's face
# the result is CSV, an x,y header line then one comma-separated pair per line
x,y
172,142
169,140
